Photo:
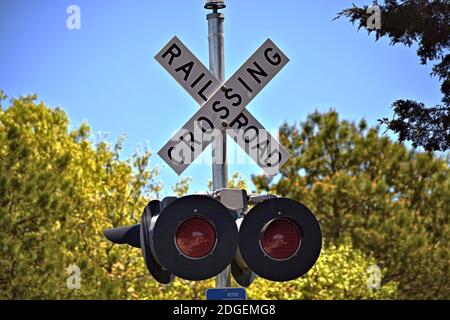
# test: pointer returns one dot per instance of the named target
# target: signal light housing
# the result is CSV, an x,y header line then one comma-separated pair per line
x,y
196,237
214,215
279,240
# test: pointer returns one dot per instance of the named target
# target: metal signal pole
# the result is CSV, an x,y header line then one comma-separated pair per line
x,y
219,145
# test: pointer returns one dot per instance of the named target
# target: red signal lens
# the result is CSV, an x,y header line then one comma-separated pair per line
x,y
280,239
195,238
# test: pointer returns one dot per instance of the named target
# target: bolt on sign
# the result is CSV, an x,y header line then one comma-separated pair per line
x,y
223,106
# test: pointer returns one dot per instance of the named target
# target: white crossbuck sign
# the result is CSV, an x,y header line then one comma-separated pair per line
x,y
223,106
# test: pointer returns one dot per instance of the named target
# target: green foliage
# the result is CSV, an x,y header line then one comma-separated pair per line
x,y
393,203
237,182
181,188
340,273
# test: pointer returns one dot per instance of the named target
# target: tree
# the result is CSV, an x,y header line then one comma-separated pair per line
x,y
58,193
391,202
425,23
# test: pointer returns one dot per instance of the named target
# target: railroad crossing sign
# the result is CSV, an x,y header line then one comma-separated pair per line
x,y
223,106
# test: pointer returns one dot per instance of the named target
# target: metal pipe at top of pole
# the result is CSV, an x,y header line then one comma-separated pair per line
x,y
219,145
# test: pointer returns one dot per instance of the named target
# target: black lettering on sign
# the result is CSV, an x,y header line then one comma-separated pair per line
x,y
186,68
174,52
233,96
189,142
219,109
241,120
270,163
249,129
280,157
170,155
262,147
263,153
246,86
196,81
259,72
206,86
275,59
184,150
204,119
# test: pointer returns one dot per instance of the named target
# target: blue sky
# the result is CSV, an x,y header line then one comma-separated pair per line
x,y
105,73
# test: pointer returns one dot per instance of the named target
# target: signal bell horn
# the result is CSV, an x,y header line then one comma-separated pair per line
x,y
279,239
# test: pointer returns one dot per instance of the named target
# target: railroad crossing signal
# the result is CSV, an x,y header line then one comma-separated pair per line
x,y
198,236
223,105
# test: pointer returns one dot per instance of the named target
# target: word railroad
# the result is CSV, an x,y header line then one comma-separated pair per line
x,y
223,106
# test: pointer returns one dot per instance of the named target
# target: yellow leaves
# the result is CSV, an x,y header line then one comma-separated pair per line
x,y
325,185
118,267
56,226
340,273
237,181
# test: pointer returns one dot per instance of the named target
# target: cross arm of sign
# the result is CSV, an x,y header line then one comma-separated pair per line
x,y
223,104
